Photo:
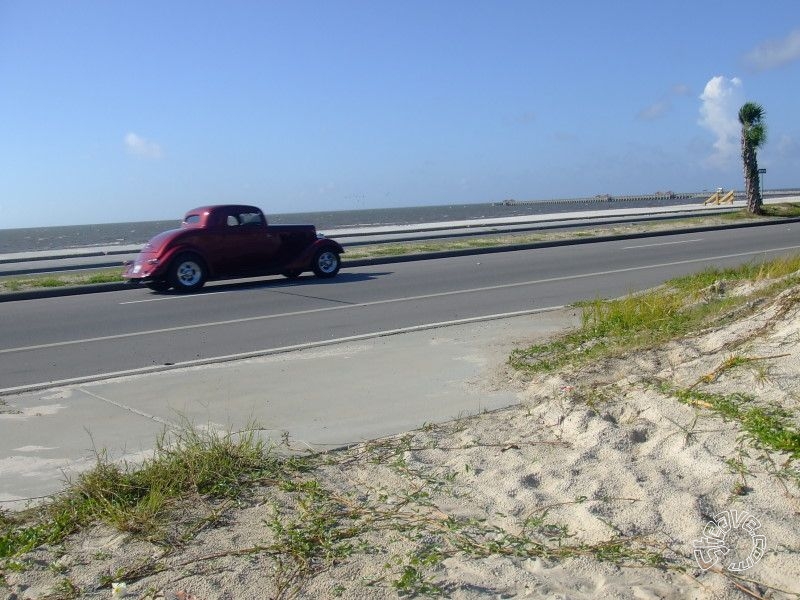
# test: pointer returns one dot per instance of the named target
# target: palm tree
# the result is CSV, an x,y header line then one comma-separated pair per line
x,y
754,135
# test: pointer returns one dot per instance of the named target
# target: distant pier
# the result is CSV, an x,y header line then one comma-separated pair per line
x,y
665,196
604,198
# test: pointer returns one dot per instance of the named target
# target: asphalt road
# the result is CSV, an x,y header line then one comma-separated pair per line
x,y
56,339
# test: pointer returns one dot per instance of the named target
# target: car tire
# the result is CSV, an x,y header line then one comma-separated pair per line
x,y
326,263
187,273
161,285
294,274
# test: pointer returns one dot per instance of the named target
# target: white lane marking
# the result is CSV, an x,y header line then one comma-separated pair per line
x,y
388,301
663,244
259,353
180,297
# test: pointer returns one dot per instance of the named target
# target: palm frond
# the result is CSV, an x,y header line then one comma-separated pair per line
x,y
756,136
751,114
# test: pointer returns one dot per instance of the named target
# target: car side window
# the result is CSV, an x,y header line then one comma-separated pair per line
x,y
250,218
232,221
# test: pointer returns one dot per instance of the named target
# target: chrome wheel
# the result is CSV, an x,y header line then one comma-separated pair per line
x,y
188,273
326,263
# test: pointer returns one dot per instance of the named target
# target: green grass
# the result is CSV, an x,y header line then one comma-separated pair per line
x,y
16,284
612,326
496,241
785,209
768,427
695,283
410,248
186,466
782,210
682,305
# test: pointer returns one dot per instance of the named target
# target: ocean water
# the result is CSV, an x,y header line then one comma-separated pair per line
x,y
111,234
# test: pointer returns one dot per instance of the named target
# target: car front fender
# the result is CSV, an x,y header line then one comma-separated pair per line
x,y
304,259
166,258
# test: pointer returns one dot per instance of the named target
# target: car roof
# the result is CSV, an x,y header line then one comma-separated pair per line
x,y
216,207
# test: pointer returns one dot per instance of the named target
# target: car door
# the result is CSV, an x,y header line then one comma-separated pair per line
x,y
233,245
258,247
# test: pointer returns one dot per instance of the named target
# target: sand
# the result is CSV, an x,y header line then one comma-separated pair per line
x,y
597,484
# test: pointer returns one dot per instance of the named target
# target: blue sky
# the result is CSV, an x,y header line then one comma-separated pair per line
x,y
124,111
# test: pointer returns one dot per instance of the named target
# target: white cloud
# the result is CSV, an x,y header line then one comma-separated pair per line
x,y
142,147
721,100
774,53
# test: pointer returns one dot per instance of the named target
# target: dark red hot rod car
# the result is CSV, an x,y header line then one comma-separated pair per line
x,y
219,242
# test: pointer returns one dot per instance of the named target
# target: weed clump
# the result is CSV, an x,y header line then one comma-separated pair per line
x,y
185,466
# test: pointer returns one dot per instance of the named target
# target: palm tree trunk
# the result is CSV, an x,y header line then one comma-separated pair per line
x,y
751,178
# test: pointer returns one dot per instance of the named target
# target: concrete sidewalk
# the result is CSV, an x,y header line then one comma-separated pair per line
x,y
319,398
